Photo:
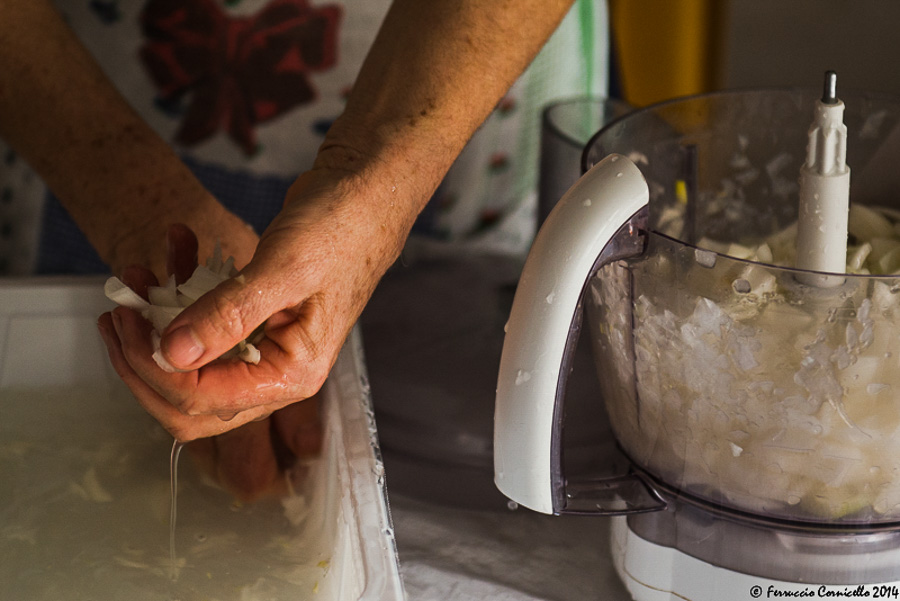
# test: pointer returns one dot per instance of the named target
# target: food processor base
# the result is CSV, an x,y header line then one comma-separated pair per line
x,y
653,572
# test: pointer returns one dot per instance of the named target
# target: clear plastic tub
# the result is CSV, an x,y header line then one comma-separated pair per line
x,y
84,501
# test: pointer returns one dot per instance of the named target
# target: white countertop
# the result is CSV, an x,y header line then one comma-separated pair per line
x,y
453,554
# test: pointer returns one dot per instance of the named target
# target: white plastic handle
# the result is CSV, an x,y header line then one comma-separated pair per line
x,y
563,254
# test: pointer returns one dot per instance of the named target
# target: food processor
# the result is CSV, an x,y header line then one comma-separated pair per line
x,y
754,392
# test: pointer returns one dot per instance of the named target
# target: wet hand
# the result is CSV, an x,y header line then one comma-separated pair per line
x,y
259,451
312,273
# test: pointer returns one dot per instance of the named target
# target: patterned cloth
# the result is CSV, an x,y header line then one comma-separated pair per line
x,y
245,91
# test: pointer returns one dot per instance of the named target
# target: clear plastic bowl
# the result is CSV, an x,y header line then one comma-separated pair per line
x,y
725,379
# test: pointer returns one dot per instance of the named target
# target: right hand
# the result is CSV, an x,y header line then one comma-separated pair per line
x,y
314,270
255,458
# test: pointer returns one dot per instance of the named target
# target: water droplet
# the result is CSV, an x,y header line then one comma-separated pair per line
x,y
522,377
741,286
619,174
705,258
587,202
614,159
550,298
793,499
512,505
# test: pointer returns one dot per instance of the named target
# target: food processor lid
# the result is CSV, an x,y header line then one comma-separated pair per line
x,y
594,222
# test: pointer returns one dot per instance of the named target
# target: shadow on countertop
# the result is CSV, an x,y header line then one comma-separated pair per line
x,y
433,335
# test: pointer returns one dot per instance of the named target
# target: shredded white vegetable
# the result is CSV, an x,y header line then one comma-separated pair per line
x,y
250,354
168,301
121,294
740,386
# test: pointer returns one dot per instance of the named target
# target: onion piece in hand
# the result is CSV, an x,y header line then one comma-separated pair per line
x,y
167,302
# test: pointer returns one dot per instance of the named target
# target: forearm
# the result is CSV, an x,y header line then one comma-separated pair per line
x,y
434,73
113,174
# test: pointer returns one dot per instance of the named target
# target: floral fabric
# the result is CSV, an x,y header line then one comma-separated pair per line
x,y
234,73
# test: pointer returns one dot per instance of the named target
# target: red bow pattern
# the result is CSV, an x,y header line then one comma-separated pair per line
x,y
239,71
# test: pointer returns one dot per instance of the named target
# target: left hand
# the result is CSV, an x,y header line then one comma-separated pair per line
x,y
256,459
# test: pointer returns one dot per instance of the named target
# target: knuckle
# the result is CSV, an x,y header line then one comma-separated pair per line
x,y
317,381
130,355
229,319
190,407
187,404
310,382
187,408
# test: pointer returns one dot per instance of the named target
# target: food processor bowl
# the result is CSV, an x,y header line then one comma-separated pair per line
x,y
760,413
726,379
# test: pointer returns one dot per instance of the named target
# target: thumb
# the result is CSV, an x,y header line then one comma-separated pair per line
x,y
218,321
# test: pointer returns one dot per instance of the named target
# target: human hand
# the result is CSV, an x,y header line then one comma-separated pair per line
x,y
211,224
260,458
315,268
251,459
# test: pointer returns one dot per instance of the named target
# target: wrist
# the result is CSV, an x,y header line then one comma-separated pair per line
x,y
137,234
140,237
392,170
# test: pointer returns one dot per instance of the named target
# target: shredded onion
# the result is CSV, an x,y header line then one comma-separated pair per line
x,y
168,301
116,291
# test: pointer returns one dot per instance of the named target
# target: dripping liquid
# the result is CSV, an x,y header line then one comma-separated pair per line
x,y
173,498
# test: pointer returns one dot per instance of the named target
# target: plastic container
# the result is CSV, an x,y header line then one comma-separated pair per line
x,y
566,126
775,398
759,411
50,351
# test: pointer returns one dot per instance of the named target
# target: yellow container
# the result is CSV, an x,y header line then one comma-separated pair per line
x,y
667,48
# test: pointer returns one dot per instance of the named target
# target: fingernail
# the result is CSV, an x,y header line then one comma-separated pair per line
x,y
104,331
181,347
